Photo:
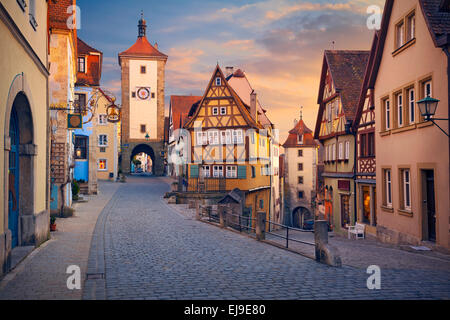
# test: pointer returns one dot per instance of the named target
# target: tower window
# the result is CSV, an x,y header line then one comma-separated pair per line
x,y
133,94
81,64
143,69
153,95
143,127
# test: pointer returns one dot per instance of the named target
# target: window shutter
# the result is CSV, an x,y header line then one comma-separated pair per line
x,y
194,171
242,172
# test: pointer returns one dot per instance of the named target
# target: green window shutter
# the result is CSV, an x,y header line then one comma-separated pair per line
x,y
194,171
242,172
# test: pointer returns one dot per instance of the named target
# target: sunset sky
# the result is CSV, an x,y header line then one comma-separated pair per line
x,y
278,43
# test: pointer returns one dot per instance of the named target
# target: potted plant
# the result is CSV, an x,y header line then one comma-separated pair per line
x,y
52,223
75,190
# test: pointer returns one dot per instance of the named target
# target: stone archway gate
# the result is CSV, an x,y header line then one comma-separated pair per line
x,y
158,158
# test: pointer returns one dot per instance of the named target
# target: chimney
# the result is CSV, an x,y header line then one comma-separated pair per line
x,y
253,109
229,71
295,122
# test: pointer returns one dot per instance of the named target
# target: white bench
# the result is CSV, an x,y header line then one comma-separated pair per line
x,y
357,230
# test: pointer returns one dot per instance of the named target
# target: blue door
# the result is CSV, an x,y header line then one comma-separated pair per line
x,y
13,201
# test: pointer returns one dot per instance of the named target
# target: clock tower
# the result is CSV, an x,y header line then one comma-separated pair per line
x,y
143,68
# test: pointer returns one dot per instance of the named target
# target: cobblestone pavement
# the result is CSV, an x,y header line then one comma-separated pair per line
x,y
42,274
143,249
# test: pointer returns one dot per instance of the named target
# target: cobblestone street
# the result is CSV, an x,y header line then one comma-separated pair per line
x,y
142,248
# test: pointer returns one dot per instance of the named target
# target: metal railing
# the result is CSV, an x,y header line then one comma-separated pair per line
x,y
247,227
286,237
205,184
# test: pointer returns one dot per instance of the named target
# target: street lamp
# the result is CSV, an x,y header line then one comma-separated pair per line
x,y
428,108
147,137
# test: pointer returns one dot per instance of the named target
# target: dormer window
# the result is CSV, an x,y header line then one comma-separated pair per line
x,y
218,81
82,64
300,139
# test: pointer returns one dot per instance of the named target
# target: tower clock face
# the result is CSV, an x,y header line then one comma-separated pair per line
x,y
143,93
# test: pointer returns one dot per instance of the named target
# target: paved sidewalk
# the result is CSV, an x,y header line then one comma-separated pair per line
x,y
42,275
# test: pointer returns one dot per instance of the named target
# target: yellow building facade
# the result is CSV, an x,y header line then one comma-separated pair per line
x,y
24,200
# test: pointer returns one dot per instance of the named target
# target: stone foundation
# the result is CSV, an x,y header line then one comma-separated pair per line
x,y
35,229
395,237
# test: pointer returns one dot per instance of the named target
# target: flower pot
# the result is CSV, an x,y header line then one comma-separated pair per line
x,y
53,227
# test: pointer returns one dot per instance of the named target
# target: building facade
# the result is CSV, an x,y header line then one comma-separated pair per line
x,y
142,121
340,88
412,154
63,73
301,159
24,164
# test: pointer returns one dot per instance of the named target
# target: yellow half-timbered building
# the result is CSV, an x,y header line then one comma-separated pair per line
x,y
230,148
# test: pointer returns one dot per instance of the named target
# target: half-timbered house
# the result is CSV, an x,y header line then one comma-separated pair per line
x,y
229,146
364,126
340,87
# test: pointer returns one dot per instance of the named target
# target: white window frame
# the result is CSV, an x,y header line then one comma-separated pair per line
x,y
425,91
32,14
400,37
218,81
387,115
215,111
334,151
105,117
412,105
341,151
223,111
106,165
102,143
84,64
400,118
406,181
206,171
388,191
347,150
218,171
231,171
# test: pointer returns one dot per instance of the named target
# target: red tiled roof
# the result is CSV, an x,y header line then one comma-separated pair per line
x,y
180,107
84,48
347,68
300,128
142,47
437,16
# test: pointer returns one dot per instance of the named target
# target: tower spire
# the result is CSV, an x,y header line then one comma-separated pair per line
x,y
301,112
142,26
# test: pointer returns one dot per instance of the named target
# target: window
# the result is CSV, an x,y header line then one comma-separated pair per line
x,y
80,103
300,153
32,14
81,147
238,136
261,203
387,114
153,95
223,110
228,135
341,151
400,34
215,111
202,138
218,81
143,128
102,140
336,109
300,166
406,186
329,112
265,170
411,107
300,139
300,180
82,64
427,92
326,153
22,4
388,188
362,146
102,149
300,194
133,94
371,144
347,150
102,119
102,165
400,109
213,137
231,171
334,151
253,171
206,171
217,171
143,69
411,24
